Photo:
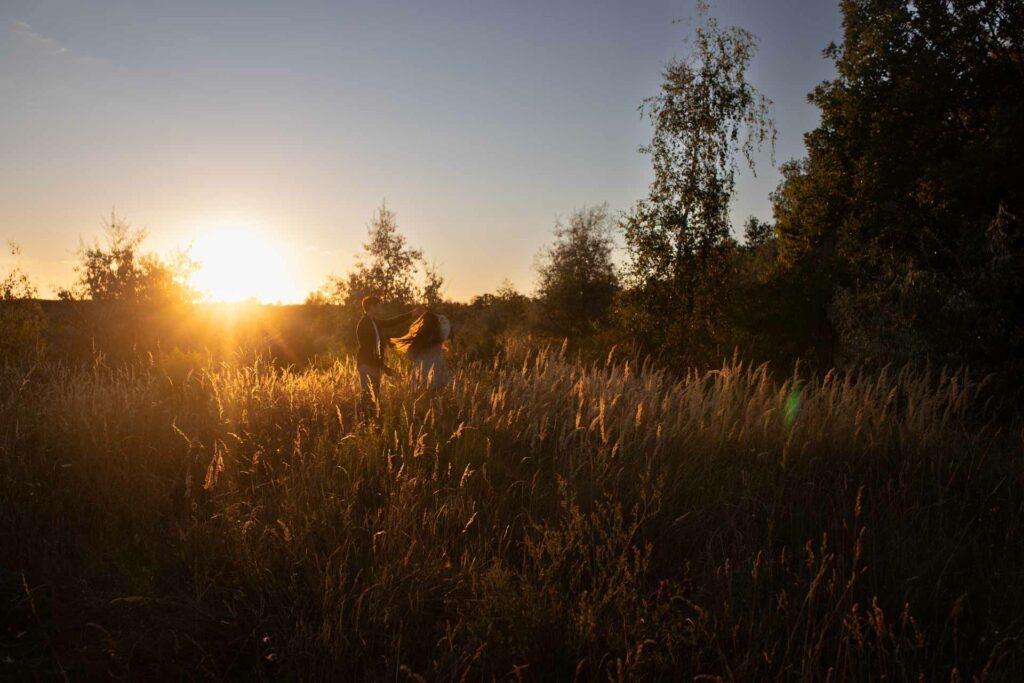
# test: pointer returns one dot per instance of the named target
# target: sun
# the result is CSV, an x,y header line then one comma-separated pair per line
x,y
238,263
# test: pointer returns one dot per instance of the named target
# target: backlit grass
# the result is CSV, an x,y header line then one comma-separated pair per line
x,y
544,518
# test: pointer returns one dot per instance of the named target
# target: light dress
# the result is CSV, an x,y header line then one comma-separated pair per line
x,y
429,370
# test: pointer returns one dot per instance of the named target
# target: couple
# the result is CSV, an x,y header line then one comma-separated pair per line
x,y
425,333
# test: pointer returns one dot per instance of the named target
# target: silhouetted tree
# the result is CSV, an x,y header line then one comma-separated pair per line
x,y
490,318
576,279
317,298
387,268
678,238
16,284
433,286
905,217
120,271
757,232
165,280
21,317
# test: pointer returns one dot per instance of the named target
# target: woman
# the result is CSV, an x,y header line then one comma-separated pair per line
x,y
423,347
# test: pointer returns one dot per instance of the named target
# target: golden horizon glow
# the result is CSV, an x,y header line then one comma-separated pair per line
x,y
238,264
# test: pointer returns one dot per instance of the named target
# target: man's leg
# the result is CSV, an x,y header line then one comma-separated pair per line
x,y
369,389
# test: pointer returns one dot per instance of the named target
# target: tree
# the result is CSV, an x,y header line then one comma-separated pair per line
x,y
491,318
757,232
16,285
317,298
387,269
678,238
121,271
21,317
433,286
576,279
907,208
165,281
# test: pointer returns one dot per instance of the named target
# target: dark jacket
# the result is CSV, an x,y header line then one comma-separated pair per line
x,y
369,352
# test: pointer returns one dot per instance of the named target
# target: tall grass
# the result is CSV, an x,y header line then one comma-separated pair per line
x,y
541,519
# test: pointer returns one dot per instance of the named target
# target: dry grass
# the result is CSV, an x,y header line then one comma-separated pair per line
x,y
543,519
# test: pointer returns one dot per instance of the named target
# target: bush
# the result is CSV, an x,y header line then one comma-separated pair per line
x,y
21,318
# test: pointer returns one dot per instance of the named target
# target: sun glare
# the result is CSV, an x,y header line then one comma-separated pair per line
x,y
236,264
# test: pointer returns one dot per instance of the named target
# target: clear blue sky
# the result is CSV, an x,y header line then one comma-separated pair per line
x,y
479,122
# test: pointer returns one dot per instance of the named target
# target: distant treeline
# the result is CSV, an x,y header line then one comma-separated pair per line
x,y
300,334
898,238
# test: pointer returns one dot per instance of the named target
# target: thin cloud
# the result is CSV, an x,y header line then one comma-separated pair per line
x,y
51,46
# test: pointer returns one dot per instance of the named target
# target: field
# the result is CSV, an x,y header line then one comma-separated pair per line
x,y
545,518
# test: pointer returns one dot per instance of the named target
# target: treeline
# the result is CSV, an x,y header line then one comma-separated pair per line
x,y
896,239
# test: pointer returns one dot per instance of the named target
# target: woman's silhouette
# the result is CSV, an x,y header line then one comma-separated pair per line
x,y
423,346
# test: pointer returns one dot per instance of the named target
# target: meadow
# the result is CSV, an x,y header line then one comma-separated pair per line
x,y
545,518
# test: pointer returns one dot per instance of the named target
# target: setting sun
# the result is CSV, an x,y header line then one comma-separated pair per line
x,y
238,263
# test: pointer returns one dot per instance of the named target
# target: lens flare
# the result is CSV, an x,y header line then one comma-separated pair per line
x,y
792,405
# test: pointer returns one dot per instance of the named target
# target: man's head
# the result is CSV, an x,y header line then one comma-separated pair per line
x,y
370,304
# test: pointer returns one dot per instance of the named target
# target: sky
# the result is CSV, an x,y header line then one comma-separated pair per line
x,y
287,123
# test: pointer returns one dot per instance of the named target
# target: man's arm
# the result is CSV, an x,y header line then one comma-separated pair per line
x,y
388,325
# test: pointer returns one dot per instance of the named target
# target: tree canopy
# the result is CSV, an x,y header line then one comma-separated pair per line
x,y
911,193
576,279
678,239
387,268
119,270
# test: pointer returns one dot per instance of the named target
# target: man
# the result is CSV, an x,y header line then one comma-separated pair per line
x,y
373,334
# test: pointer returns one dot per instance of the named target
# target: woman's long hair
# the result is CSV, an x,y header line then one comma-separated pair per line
x,y
424,333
